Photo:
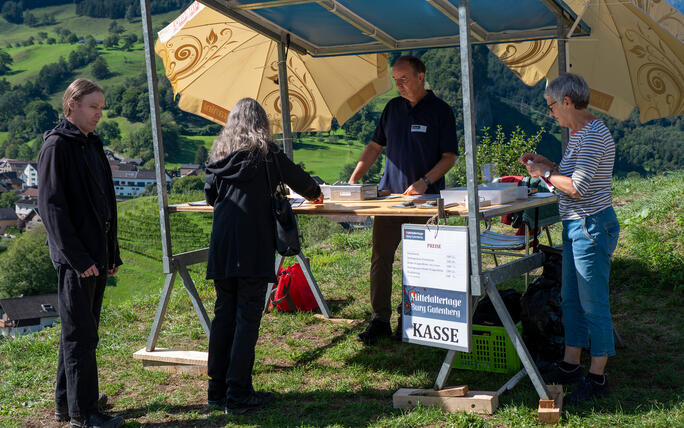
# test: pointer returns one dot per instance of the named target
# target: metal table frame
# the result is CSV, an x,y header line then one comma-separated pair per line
x,y
481,282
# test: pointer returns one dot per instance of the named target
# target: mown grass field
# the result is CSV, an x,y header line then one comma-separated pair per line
x,y
322,376
28,60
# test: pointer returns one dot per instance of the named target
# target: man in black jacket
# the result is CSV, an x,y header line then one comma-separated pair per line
x,y
78,207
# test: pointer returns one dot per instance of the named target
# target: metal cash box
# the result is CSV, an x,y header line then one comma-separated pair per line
x,y
353,192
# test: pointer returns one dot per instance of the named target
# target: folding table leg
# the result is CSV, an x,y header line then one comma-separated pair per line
x,y
195,299
323,306
269,288
161,311
518,343
444,371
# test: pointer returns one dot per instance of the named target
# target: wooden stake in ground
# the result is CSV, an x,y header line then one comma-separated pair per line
x,y
549,410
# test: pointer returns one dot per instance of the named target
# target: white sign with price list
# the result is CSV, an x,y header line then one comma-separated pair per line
x,y
436,289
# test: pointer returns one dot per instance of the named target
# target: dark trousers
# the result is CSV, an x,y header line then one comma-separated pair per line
x,y
233,337
386,239
80,301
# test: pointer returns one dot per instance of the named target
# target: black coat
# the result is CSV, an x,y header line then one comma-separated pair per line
x,y
72,204
242,237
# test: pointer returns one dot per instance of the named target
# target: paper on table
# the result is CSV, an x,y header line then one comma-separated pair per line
x,y
425,197
197,203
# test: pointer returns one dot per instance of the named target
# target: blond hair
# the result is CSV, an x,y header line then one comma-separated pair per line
x,y
247,129
78,89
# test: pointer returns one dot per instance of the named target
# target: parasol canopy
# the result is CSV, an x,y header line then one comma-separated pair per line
x,y
213,61
634,57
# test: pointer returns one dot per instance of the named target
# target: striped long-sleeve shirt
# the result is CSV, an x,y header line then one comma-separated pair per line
x,y
588,159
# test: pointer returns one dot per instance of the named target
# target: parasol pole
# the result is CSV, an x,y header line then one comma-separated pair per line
x,y
563,68
284,98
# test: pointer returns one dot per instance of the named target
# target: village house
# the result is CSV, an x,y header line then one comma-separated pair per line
x,y
24,315
116,165
7,218
10,181
30,220
190,169
30,174
25,171
27,202
12,165
132,183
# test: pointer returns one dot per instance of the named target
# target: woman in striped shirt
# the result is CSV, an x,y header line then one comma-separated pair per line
x,y
590,234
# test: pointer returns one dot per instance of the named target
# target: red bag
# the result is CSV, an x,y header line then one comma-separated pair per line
x,y
292,290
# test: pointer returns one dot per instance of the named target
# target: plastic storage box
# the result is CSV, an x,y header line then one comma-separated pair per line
x,y
353,192
492,351
496,193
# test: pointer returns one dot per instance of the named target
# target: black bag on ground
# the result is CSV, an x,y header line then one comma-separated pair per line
x,y
540,311
286,227
485,314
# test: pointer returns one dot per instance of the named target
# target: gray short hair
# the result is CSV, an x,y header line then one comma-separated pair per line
x,y
247,129
569,85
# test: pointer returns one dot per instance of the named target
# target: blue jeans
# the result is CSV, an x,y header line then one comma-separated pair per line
x,y
588,244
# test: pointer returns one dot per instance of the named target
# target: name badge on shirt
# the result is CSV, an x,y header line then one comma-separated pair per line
x,y
419,128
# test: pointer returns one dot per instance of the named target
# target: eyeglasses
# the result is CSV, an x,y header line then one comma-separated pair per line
x,y
549,106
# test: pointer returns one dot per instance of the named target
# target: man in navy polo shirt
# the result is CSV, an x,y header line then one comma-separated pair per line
x,y
418,132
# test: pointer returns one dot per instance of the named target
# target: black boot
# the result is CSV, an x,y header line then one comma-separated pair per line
x,y
256,400
587,390
97,420
376,329
62,410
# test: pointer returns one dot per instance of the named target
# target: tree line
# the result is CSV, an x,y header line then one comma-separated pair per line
x,y
129,9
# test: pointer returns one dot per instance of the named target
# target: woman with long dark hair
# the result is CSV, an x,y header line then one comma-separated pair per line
x,y
242,247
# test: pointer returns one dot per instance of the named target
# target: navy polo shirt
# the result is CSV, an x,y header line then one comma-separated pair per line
x,y
414,139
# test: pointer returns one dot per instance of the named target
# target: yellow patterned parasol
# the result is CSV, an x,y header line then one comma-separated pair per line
x,y
212,62
634,57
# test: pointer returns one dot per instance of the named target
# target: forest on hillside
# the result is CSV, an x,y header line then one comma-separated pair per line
x,y
501,99
20,11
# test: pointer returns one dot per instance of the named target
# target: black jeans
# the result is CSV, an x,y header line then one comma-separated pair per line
x,y
80,301
233,337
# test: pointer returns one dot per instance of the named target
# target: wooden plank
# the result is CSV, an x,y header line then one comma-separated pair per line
x,y
347,321
482,402
194,370
550,410
173,356
455,391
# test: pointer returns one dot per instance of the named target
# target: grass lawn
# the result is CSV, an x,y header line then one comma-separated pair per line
x,y
28,60
326,159
321,375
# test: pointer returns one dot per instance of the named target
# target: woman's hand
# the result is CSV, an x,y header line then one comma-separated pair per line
x,y
318,200
536,164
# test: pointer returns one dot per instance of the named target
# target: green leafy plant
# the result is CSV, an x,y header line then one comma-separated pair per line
x,y
501,150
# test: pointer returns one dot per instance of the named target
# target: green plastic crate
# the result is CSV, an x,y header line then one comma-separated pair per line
x,y
492,351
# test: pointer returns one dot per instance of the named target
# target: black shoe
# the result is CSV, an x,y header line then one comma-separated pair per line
x,y
556,374
98,420
216,404
376,329
62,411
256,400
587,390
